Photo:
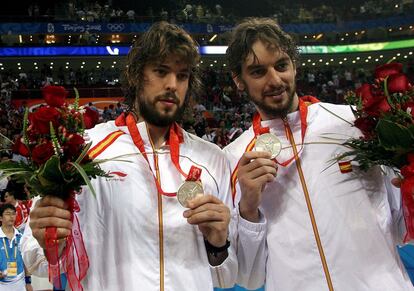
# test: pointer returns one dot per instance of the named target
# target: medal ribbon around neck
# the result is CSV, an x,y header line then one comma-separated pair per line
x,y
258,129
174,143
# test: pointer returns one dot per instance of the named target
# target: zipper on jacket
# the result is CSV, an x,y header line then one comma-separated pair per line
x,y
309,205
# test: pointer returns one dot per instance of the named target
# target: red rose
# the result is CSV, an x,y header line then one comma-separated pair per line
x,y
41,118
54,95
373,103
42,152
366,125
383,71
73,145
90,118
20,148
398,83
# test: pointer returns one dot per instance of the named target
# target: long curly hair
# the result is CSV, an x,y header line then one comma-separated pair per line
x,y
159,42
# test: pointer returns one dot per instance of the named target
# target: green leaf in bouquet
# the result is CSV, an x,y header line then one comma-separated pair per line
x,y
51,173
25,125
83,153
85,177
393,136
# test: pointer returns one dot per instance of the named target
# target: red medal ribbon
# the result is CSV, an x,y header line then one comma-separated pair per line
x,y
303,111
52,255
74,246
194,174
175,137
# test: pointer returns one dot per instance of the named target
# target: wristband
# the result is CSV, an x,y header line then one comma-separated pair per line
x,y
28,279
216,250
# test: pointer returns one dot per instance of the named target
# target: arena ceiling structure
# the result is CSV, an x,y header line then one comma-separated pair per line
x,y
54,40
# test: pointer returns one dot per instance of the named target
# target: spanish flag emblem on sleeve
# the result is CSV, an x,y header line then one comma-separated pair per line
x,y
345,166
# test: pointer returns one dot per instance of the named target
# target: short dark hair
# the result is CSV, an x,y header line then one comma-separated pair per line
x,y
15,189
155,45
4,207
251,29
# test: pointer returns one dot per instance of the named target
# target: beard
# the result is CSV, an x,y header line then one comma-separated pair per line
x,y
275,111
153,116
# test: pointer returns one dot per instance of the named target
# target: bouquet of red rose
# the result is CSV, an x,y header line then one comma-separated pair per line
x,y
56,163
384,113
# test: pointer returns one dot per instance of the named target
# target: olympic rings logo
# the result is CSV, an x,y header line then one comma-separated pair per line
x,y
115,26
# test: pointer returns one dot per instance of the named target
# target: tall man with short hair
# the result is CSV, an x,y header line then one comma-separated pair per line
x,y
137,234
304,225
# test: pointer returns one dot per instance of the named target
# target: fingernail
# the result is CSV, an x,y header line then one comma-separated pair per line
x,y
186,213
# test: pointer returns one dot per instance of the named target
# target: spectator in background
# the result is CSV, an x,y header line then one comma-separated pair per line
x,y
13,274
15,194
209,135
118,109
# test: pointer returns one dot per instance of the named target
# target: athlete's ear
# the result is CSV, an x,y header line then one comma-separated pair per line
x,y
238,81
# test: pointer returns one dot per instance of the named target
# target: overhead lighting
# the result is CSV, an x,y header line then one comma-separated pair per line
x,y
81,67
340,62
303,64
313,64
213,38
20,68
36,68
67,67
353,62
114,62
50,38
319,36
358,58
